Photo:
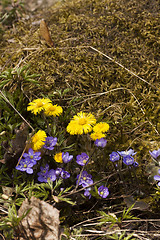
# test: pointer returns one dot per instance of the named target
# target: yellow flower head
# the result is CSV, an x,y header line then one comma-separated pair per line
x,y
97,135
52,110
38,105
101,127
38,140
58,157
81,123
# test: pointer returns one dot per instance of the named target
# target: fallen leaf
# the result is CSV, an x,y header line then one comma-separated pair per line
x,y
44,33
42,222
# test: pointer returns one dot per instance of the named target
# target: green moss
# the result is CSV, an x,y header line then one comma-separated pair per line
x,y
127,31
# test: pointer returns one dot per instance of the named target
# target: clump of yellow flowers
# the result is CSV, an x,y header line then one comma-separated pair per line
x,y
44,104
81,123
85,123
99,130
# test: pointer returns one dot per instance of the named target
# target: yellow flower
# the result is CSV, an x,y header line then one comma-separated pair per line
x,y
81,123
38,140
58,157
52,110
38,105
97,135
101,127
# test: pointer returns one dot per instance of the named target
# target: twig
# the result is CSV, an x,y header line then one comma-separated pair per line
x,y
132,73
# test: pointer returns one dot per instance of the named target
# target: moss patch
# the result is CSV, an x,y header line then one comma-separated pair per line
x,y
127,31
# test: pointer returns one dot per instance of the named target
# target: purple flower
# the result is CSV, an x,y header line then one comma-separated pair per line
x,y
82,159
130,152
45,169
43,173
66,157
33,156
128,160
155,153
157,178
25,165
42,177
114,156
103,191
101,142
51,175
65,174
87,192
85,179
50,142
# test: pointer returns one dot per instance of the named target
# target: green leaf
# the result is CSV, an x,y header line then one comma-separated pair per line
x,y
66,200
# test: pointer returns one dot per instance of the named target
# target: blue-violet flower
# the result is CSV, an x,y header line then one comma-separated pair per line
x,y
100,142
51,175
85,179
82,159
66,157
128,160
87,192
130,152
155,153
114,156
25,165
43,173
103,191
50,142
33,156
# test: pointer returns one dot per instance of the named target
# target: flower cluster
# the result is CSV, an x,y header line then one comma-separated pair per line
x,y
46,175
81,123
86,180
127,157
42,104
85,123
28,161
